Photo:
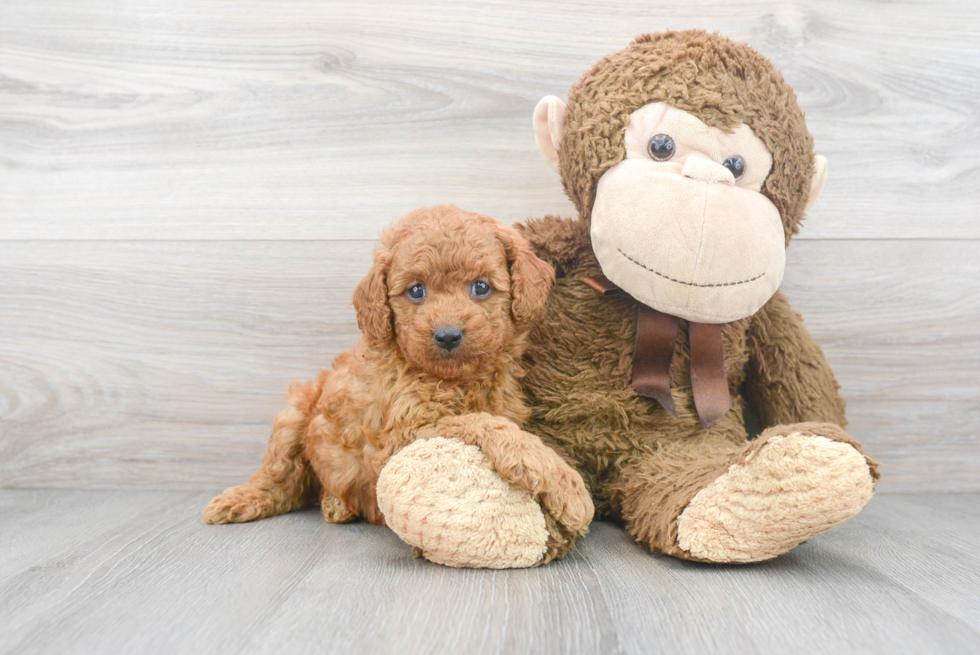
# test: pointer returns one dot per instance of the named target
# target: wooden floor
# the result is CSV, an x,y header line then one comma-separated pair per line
x,y
136,572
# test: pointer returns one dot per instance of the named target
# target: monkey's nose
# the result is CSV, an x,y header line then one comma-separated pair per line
x,y
447,338
706,170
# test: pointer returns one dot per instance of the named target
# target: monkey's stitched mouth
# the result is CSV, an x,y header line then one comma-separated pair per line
x,y
689,284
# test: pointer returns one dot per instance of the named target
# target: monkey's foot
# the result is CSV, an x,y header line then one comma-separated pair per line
x,y
793,486
442,497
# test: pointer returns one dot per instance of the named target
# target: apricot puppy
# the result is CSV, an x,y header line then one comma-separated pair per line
x,y
444,313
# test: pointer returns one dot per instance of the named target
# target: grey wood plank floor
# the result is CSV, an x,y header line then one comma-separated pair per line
x,y
136,572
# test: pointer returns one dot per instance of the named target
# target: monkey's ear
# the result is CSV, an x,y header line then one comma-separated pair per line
x,y
531,278
371,301
819,178
549,124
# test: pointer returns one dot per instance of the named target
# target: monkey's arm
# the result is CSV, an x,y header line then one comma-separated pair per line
x,y
789,379
559,241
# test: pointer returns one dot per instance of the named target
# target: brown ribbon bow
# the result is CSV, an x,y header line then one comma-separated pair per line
x,y
656,337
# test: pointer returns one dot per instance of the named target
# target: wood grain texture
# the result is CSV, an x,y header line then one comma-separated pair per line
x,y
307,119
161,364
189,191
113,572
148,364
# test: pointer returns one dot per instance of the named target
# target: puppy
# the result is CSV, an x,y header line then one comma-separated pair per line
x,y
444,313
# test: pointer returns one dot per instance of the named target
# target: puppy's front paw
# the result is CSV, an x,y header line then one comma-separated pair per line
x,y
558,487
570,501
237,505
442,497
335,511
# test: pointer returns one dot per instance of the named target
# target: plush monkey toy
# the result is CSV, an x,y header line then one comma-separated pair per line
x,y
690,164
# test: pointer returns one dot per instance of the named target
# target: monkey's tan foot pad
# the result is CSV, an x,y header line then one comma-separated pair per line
x,y
442,497
796,486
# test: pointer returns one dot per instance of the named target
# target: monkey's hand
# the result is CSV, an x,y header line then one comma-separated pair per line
x,y
477,491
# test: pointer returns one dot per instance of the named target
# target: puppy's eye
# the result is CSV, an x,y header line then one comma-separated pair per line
x,y
661,147
736,164
481,289
416,293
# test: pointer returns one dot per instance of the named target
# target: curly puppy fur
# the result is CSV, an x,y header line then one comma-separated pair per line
x,y
341,428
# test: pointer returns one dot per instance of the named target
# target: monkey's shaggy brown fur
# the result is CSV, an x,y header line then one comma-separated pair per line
x,y
397,385
642,464
722,82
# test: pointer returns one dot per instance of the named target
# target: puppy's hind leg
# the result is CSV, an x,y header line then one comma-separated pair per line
x,y
285,482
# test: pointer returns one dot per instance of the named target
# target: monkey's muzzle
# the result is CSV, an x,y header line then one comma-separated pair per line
x,y
706,251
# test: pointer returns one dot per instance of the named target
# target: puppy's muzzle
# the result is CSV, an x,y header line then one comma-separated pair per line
x,y
447,338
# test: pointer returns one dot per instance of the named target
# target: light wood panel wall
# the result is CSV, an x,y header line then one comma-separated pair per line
x,y
189,192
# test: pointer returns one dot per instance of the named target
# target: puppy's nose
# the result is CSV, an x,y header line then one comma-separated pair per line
x,y
447,337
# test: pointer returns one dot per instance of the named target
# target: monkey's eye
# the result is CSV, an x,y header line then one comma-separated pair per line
x,y
661,147
736,164
416,293
480,289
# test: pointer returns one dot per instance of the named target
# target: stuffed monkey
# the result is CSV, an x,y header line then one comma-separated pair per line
x,y
691,167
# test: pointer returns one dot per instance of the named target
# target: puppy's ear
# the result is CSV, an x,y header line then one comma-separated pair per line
x,y
371,301
531,278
